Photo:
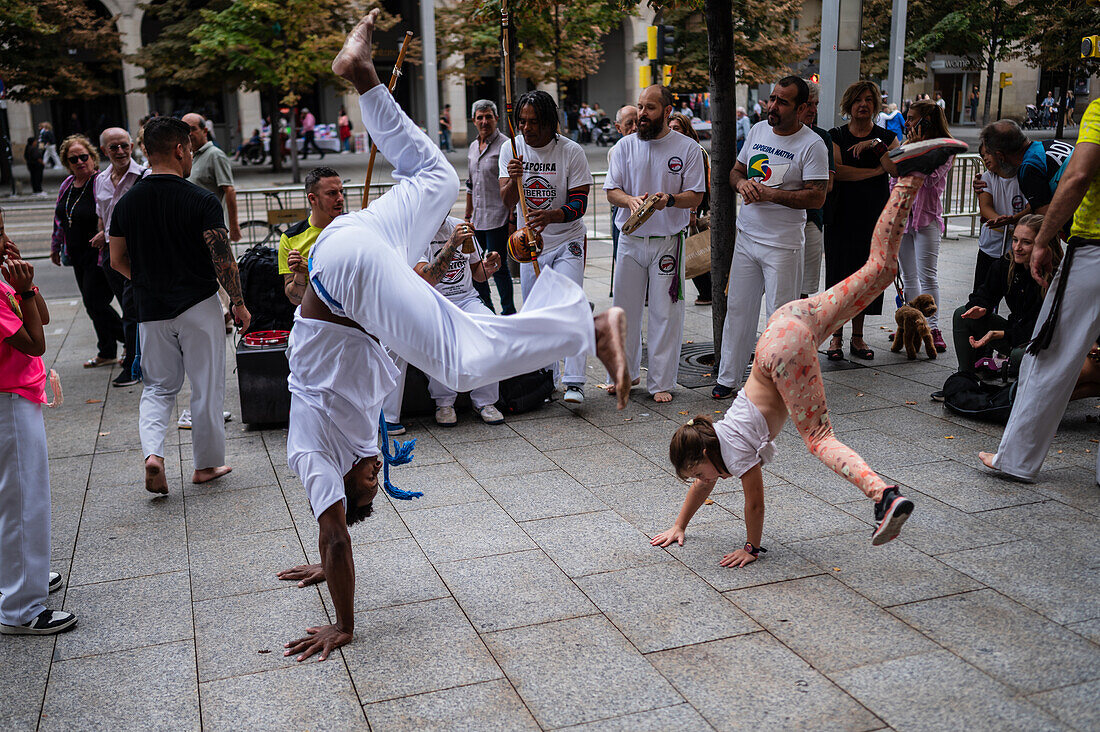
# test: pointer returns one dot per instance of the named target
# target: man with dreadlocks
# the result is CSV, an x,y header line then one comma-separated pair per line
x,y
364,290
554,173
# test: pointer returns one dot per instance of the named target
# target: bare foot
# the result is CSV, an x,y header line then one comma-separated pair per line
x,y
611,350
155,482
208,474
987,459
662,397
612,390
354,62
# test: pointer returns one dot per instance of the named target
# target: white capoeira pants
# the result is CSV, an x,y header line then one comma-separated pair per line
x,y
362,267
191,344
482,396
391,405
757,270
653,262
811,259
24,510
1047,380
567,259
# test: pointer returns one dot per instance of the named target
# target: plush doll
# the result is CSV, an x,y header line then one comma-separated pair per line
x,y
913,327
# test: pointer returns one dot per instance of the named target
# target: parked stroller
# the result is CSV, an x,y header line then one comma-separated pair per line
x,y
1033,119
606,134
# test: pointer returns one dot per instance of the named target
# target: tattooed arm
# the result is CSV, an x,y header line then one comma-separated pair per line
x,y
225,267
434,272
811,195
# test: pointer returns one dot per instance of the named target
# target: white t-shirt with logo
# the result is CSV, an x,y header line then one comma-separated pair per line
x,y
785,162
671,164
1007,199
457,282
548,174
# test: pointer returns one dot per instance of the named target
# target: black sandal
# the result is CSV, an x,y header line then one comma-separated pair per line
x,y
835,354
865,353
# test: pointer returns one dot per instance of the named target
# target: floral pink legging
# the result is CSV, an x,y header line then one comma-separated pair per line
x,y
787,351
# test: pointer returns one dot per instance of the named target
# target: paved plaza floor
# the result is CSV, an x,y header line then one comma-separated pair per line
x,y
521,591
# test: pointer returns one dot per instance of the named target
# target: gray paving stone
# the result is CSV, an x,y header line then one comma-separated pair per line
x,y
791,515
413,649
593,542
141,689
1089,629
652,505
578,670
935,527
939,691
559,433
786,692
242,565
664,606
1051,583
705,546
827,624
1076,706
236,513
445,484
599,409
511,590
129,551
390,573
649,437
21,702
1012,644
887,575
466,531
1049,522
428,450
605,464
469,429
542,495
1074,486
103,510
964,487
245,634
513,456
113,470
680,717
115,616
492,706
313,696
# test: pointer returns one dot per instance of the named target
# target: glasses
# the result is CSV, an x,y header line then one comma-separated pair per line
x,y
74,159
118,146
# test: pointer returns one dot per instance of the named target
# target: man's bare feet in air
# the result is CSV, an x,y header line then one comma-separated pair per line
x,y
611,350
208,474
662,397
354,62
155,482
987,459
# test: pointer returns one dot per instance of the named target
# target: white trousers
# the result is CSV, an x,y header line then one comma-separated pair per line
x,y
811,259
756,270
482,396
50,156
361,266
1047,380
24,510
918,261
191,344
655,263
391,405
567,259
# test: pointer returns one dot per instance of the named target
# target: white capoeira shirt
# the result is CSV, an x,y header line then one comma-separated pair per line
x,y
549,172
672,164
457,284
338,378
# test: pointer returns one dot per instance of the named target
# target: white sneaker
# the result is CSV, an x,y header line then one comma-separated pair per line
x,y
446,417
184,422
491,415
574,395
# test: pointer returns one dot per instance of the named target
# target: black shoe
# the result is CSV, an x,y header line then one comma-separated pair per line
x,y
48,622
890,513
722,392
125,377
925,157
937,396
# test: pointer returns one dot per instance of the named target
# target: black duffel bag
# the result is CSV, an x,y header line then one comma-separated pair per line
x,y
967,395
525,392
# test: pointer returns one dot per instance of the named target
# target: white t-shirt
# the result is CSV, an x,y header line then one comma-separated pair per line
x,y
744,437
457,284
785,162
672,164
548,174
1007,199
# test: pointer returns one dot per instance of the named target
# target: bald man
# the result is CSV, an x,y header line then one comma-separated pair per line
x,y
109,188
212,171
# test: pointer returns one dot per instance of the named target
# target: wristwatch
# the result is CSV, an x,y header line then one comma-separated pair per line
x,y
28,294
671,201
754,550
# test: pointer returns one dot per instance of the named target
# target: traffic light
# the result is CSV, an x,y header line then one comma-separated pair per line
x,y
651,42
1090,47
666,75
815,78
666,42
1006,80
645,76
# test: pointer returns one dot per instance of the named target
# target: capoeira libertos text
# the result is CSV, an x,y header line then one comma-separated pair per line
x,y
365,293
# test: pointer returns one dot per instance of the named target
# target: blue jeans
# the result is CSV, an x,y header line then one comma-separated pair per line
x,y
496,240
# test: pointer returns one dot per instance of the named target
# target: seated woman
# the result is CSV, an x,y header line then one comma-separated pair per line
x,y
977,330
786,381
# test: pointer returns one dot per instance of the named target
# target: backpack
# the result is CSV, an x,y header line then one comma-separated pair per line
x,y
262,288
966,395
525,392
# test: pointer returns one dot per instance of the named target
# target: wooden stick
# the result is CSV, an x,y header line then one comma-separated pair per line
x,y
505,27
393,83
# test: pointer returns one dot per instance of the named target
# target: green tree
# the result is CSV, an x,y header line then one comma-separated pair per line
x,y
874,59
56,48
168,61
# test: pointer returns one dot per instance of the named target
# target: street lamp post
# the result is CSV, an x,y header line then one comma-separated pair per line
x,y
841,32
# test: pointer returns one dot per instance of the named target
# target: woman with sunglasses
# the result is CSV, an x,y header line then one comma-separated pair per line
x,y
75,224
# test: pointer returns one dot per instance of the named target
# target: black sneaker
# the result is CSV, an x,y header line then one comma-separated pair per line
x,y
55,582
722,392
937,396
890,513
926,156
125,378
48,622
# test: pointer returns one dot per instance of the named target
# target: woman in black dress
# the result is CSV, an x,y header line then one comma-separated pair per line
x,y
858,197
75,223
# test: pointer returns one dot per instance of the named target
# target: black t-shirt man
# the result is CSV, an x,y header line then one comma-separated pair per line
x,y
163,218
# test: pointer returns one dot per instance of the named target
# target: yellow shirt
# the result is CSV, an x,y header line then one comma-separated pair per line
x,y
1086,222
299,237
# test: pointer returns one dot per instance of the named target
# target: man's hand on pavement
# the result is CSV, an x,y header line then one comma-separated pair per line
x,y
324,640
304,574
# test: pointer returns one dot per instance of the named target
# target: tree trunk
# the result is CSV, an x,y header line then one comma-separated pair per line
x,y
723,199
1062,106
275,139
296,173
989,61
